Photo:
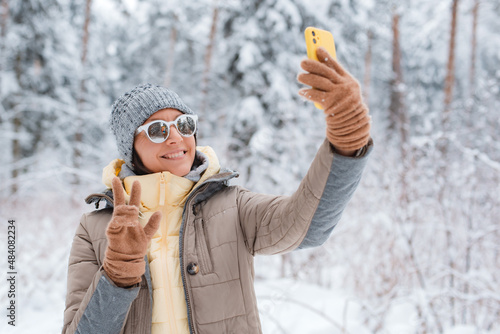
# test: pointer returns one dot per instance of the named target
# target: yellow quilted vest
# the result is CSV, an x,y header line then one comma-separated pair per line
x,y
167,193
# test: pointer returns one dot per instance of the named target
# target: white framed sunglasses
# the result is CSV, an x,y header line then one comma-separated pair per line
x,y
159,130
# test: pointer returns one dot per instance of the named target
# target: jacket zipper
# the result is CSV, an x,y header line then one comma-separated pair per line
x,y
181,253
185,215
162,190
172,323
183,275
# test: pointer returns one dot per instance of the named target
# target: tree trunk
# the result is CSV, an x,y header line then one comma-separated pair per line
x,y
450,74
85,36
85,45
396,107
83,90
472,72
208,59
399,120
400,123
16,152
448,91
4,17
170,60
368,67
16,126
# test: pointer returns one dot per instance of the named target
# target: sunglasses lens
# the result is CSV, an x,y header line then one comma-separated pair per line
x,y
186,125
158,132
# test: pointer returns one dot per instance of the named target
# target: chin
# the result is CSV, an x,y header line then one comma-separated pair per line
x,y
179,171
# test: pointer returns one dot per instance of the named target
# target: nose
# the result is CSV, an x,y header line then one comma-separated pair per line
x,y
174,136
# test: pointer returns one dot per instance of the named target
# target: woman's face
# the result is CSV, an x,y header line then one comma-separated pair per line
x,y
174,155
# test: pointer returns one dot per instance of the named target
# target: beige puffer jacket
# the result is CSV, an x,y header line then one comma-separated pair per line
x,y
223,228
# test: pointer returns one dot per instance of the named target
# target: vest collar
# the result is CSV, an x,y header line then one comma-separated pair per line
x,y
213,175
164,188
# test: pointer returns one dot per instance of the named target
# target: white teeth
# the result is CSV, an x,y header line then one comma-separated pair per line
x,y
175,155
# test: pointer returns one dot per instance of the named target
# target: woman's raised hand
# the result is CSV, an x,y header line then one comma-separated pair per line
x,y
347,119
127,239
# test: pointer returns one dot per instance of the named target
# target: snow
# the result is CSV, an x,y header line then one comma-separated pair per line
x,y
285,306
417,246
249,57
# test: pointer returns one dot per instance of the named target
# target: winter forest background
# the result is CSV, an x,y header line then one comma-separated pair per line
x,y
417,250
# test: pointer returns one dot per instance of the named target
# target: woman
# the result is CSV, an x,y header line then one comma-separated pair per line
x,y
173,250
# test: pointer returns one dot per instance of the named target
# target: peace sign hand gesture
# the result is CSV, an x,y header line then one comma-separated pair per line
x,y
127,239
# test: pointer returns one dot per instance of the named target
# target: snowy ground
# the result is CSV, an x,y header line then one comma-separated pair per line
x,y
286,307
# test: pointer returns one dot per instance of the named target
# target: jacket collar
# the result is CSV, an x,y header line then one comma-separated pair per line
x,y
216,182
210,174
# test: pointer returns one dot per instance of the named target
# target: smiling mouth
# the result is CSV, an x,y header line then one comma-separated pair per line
x,y
174,155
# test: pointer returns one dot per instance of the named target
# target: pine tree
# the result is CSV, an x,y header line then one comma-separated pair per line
x,y
32,68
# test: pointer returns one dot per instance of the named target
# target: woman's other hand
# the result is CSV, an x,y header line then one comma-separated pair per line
x,y
127,239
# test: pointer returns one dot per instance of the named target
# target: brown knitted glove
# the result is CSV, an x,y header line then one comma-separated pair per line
x,y
127,240
347,119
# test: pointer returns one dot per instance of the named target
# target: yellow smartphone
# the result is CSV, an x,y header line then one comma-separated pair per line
x,y
314,39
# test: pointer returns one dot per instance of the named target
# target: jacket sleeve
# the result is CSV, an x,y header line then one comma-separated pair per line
x,y
279,224
94,304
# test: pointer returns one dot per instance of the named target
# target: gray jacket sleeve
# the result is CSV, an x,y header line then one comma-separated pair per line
x,y
345,175
94,304
279,224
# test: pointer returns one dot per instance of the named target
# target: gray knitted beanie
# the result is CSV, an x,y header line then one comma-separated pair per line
x,y
133,108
